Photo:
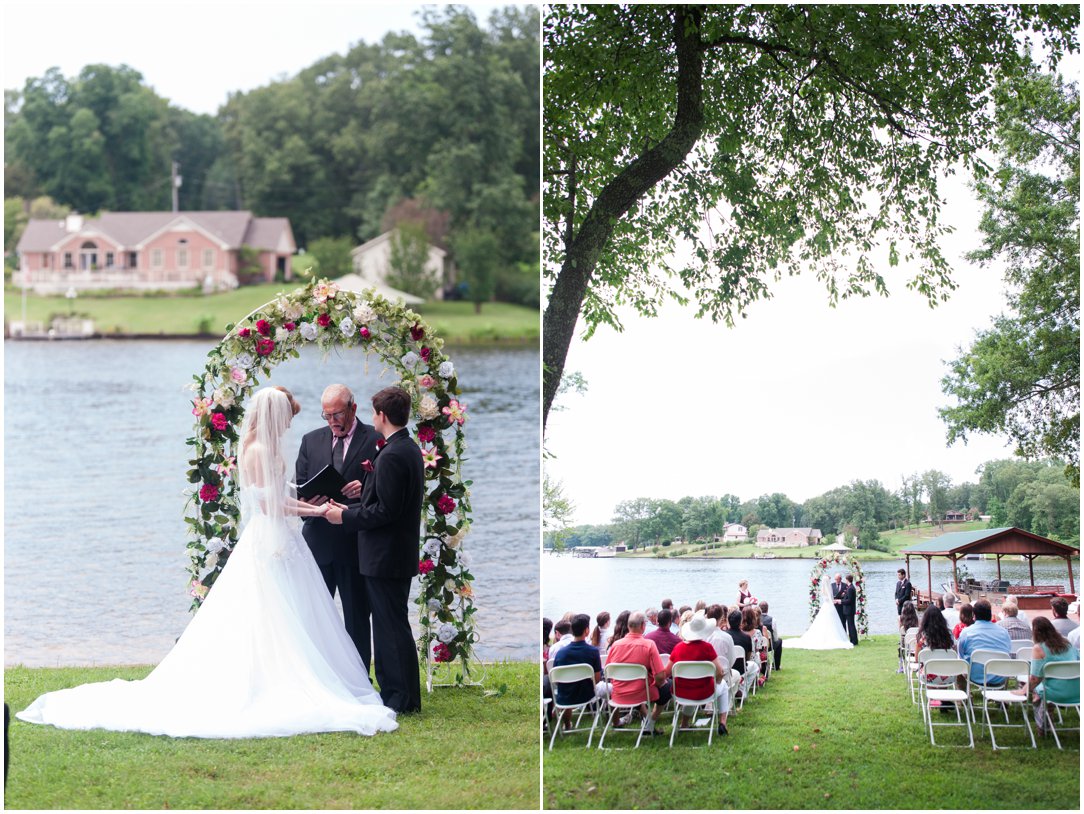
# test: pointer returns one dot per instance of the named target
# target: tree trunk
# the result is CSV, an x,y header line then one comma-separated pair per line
x,y
617,198
478,308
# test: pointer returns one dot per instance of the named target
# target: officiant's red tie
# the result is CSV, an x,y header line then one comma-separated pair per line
x,y
337,454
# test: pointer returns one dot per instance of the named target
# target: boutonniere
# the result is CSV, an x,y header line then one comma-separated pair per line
x,y
367,465
381,442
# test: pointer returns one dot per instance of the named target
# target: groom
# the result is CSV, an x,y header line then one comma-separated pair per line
x,y
849,604
839,590
387,522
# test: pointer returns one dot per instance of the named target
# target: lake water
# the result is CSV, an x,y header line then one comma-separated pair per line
x,y
95,462
591,585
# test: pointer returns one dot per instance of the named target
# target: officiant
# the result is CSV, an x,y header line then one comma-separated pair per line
x,y
348,445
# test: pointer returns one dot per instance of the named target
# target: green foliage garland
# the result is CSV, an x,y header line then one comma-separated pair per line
x,y
320,313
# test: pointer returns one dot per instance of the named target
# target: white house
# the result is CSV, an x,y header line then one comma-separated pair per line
x,y
372,261
788,538
735,533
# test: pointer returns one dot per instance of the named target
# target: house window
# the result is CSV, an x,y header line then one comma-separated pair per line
x,y
208,258
68,260
182,258
109,260
133,260
45,259
156,258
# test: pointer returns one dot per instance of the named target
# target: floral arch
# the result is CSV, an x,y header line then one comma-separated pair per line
x,y
848,561
322,314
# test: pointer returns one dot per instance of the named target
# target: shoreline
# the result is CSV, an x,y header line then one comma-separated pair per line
x,y
455,341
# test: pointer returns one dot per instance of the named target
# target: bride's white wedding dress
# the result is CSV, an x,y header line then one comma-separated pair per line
x,y
266,655
826,632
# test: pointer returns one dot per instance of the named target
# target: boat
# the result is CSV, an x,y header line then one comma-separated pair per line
x,y
605,552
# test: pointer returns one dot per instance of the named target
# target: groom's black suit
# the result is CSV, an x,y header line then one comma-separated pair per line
x,y
849,596
387,522
335,550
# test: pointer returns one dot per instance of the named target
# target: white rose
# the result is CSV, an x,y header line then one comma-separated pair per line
x,y
244,360
223,397
212,561
427,408
431,547
446,632
290,310
464,559
215,544
364,314
308,331
409,359
282,335
446,369
449,584
434,605
346,326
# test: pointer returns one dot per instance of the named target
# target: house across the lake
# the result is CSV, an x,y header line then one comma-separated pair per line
x,y
154,250
372,262
735,533
788,538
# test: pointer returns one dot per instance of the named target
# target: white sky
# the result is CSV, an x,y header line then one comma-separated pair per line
x,y
797,398
193,53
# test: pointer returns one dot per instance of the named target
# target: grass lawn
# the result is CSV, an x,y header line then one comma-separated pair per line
x,y
463,751
456,322
832,730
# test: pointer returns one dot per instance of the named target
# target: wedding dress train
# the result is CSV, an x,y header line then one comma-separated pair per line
x,y
826,632
266,655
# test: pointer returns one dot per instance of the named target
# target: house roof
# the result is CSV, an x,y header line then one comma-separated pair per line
x,y
809,532
1008,540
130,229
384,238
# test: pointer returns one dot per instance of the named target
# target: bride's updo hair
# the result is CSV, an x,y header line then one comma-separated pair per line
x,y
293,402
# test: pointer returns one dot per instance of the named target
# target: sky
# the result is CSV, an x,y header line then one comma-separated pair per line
x,y
193,53
797,398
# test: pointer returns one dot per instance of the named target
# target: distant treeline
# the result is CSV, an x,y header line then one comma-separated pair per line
x,y
1034,496
440,130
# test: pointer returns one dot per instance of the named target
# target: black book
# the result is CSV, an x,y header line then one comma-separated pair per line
x,y
328,482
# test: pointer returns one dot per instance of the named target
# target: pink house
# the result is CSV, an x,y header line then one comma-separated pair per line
x,y
152,250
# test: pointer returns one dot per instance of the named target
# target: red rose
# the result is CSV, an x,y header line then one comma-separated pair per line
x,y
208,493
380,442
365,333
323,320
425,354
445,505
289,326
426,434
425,566
218,421
441,652
243,332
264,347
367,465
417,332
264,327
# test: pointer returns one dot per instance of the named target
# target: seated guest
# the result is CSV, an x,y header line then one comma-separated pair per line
x,y
652,619
1074,637
1019,630
908,622
683,610
578,651
967,619
667,604
777,643
1050,646
983,635
701,605
952,616
933,634
601,633
695,647
563,635
621,629
743,644
635,649
547,626
662,636
1062,623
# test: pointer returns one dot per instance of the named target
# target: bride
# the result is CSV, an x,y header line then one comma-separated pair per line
x,y
827,631
267,655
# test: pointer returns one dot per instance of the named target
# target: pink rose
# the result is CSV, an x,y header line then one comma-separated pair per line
x,y
445,505
264,347
365,333
238,375
218,421
323,320
208,493
243,332
263,327
425,566
426,381
426,434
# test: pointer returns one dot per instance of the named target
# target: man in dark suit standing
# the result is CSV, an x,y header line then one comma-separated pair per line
x,y
903,590
348,445
838,591
388,520
849,605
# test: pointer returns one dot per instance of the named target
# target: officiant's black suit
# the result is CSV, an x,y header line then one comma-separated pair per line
x,y
838,592
387,522
334,549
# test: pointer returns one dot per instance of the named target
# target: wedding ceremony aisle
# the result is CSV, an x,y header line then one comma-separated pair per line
x,y
833,729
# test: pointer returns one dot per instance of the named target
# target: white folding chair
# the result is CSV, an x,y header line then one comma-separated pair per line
x,y
619,671
1064,671
1023,645
914,665
906,648
573,674
1004,668
980,657
689,670
665,658
945,694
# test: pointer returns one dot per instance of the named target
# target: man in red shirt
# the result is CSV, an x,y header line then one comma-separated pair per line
x,y
635,649
697,648
664,638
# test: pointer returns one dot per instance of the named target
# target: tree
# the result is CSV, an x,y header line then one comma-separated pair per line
x,y
15,218
936,485
331,255
408,262
476,256
630,517
814,130
701,517
557,511
1021,377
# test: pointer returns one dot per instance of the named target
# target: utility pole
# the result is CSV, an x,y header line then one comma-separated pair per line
x,y
175,183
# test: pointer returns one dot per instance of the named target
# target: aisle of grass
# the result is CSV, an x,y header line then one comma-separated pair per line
x,y
456,322
464,750
833,730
